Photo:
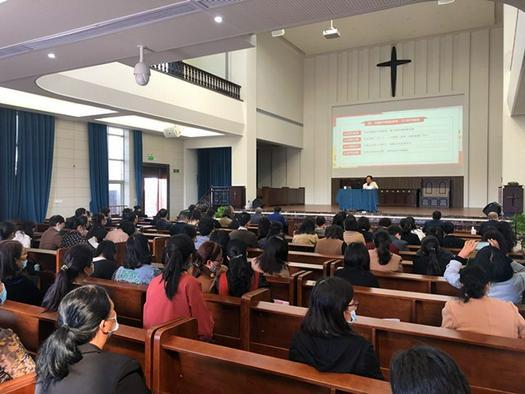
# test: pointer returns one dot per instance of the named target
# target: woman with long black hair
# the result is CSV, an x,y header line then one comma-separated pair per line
x,y
176,292
381,258
72,359
431,259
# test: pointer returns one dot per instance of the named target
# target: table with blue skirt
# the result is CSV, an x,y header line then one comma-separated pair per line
x,y
357,199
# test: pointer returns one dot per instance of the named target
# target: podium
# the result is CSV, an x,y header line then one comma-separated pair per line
x,y
357,199
511,198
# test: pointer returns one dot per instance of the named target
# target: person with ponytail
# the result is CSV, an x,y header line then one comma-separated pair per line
x,y
72,359
78,265
176,293
137,266
381,259
407,226
209,266
239,278
431,259
476,312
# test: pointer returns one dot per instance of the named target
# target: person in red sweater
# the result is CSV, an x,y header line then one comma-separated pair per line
x,y
176,293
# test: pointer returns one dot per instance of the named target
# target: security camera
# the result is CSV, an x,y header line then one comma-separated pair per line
x,y
141,70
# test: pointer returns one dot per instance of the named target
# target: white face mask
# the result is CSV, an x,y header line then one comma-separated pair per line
x,y
353,317
115,327
3,295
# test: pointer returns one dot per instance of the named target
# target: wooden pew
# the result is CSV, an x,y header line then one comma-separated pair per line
x,y
182,364
22,385
419,308
159,246
301,248
504,371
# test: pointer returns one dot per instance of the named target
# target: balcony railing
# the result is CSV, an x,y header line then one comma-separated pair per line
x,y
200,77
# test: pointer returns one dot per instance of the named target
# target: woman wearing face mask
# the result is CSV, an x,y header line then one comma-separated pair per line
x,y
19,288
72,359
78,264
209,266
326,340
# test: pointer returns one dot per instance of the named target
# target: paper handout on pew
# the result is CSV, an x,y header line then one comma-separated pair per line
x,y
392,319
282,302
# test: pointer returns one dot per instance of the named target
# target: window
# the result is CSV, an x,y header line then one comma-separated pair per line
x,y
116,167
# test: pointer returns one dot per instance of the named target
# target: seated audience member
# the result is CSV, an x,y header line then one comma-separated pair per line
x,y
3,293
426,370
407,235
75,233
352,233
476,312
332,244
256,217
18,286
105,260
364,228
507,278
370,184
306,234
78,265
276,229
16,361
226,218
133,219
502,226
242,233
431,259
176,293
326,340
107,215
320,225
209,266
7,230
52,238
160,220
277,216
210,212
415,229
263,228
273,260
222,238
395,236
137,266
339,219
195,217
356,268
190,231
24,233
81,212
137,210
182,220
97,231
234,224
121,234
205,227
435,222
449,240
239,278
72,359
383,224
381,259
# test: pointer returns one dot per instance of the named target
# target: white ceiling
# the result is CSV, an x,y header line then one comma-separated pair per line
x,y
396,24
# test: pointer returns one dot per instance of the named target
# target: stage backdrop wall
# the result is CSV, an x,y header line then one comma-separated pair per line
x,y
468,63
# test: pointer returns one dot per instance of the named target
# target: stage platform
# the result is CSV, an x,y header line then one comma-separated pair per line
x,y
465,215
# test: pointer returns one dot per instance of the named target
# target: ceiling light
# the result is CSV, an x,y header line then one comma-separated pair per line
x,y
218,19
2,1
278,33
141,122
50,55
445,2
17,98
332,32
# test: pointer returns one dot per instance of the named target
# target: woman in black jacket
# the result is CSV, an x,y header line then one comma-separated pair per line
x,y
356,268
326,340
431,259
72,359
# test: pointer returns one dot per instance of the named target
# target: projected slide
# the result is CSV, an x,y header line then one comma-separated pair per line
x,y
413,137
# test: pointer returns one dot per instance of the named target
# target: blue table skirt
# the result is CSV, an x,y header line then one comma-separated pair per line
x,y
357,199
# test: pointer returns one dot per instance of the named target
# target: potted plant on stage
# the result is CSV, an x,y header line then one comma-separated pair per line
x,y
518,222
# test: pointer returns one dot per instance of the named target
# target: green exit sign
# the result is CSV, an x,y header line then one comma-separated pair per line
x,y
151,157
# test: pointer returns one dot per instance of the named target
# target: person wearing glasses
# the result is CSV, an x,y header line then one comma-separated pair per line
x,y
326,340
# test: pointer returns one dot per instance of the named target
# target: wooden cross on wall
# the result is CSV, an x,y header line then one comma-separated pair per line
x,y
393,63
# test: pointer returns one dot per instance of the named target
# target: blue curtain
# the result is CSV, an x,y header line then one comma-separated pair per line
x,y
214,168
137,164
98,166
36,138
7,163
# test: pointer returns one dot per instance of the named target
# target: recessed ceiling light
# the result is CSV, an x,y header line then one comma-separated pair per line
x,y
2,1
51,55
445,2
17,98
218,19
142,122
